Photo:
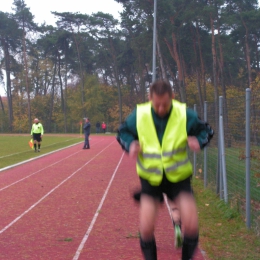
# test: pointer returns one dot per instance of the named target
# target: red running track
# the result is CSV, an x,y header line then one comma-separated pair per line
x,y
76,204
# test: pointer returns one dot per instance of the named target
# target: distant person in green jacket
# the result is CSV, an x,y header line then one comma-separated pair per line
x,y
157,134
37,133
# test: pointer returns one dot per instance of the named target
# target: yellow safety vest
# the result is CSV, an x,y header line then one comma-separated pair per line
x,y
170,157
37,129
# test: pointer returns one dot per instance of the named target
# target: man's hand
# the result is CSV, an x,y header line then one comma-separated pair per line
x,y
134,149
193,144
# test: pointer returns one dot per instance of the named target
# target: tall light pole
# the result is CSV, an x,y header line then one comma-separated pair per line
x,y
154,40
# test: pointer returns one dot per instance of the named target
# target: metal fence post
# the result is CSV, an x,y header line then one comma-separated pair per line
x,y
219,170
194,154
248,196
205,149
222,147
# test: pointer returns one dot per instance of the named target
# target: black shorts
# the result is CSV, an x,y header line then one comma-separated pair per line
x,y
37,137
171,189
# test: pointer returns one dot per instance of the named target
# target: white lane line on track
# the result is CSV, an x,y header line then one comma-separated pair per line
x,y
35,158
26,151
1,189
36,172
51,191
77,254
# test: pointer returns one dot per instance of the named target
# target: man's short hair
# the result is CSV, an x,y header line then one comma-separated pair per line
x,y
160,87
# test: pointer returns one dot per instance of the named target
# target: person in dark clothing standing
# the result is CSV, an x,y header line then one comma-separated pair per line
x,y
98,127
86,129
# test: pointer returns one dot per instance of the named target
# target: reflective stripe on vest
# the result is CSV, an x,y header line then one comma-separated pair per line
x,y
172,156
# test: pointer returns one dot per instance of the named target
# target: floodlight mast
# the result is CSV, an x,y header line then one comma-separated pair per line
x,y
154,40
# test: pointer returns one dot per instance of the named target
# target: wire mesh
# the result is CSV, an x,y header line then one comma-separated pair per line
x,y
234,118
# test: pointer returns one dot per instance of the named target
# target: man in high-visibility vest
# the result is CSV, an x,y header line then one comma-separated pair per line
x,y
157,134
37,133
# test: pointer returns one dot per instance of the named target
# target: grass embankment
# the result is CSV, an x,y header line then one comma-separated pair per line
x,y
223,232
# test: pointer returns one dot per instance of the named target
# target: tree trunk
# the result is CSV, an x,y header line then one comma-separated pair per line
x,y
141,81
214,58
196,62
175,55
82,77
26,80
176,89
254,113
223,86
37,88
65,95
199,91
2,105
247,56
256,53
115,69
160,58
8,83
202,65
52,98
61,88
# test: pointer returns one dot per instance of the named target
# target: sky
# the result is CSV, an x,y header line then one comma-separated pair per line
x,y
42,10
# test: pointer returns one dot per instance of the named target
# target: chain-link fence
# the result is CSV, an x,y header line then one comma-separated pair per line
x,y
208,164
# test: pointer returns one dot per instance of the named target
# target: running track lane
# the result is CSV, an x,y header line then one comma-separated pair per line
x,y
115,234
70,216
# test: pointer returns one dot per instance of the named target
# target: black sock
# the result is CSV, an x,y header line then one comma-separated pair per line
x,y
137,196
34,146
188,247
149,249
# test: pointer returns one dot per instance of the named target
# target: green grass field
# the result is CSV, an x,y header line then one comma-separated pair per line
x,y
15,148
223,232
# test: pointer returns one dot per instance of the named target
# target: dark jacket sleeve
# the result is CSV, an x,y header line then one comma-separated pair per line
x,y
127,132
199,128
86,127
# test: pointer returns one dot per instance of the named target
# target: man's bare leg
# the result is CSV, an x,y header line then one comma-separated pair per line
x,y
189,222
148,213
